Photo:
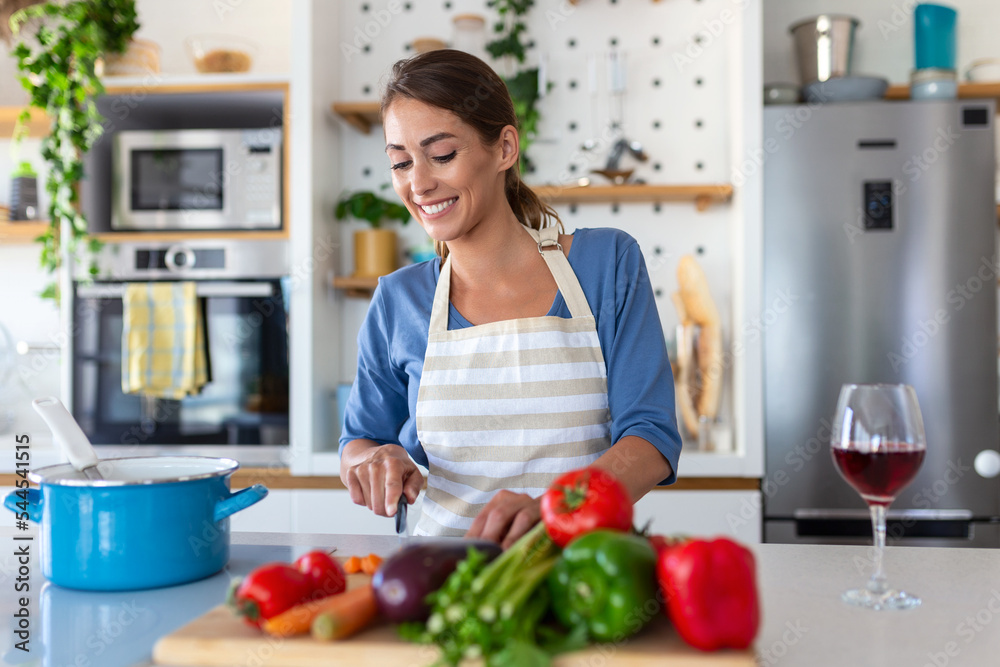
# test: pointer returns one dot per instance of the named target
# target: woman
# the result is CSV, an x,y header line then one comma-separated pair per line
x,y
522,353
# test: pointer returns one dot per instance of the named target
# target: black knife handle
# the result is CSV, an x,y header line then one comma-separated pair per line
x,y
401,515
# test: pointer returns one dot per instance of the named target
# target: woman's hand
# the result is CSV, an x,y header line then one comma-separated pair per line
x,y
376,475
506,517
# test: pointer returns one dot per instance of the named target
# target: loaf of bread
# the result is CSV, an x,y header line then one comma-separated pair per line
x,y
698,389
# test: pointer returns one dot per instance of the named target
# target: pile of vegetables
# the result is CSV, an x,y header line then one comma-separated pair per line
x,y
308,595
581,575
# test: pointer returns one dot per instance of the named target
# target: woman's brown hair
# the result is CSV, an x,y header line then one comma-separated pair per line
x,y
470,89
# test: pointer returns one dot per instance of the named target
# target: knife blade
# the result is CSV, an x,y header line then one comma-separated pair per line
x,y
401,515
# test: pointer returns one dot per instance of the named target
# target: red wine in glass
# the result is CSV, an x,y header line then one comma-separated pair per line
x,y
879,475
878,444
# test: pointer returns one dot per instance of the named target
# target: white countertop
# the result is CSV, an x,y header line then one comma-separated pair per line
x,y
805,623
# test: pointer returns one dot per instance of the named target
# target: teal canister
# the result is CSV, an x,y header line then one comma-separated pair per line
x,y
934,36
24,193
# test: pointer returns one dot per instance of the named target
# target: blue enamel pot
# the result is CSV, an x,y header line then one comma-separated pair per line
x,y
151,522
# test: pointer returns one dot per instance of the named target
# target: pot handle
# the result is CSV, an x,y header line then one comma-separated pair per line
x,y
240,500
34,501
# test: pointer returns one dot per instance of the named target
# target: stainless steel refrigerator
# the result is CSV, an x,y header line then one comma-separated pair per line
x,y
880,265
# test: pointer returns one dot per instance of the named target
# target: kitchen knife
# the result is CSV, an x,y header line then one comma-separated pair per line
x,y
401,516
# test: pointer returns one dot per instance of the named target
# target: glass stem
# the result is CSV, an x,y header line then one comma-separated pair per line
x,y
877,583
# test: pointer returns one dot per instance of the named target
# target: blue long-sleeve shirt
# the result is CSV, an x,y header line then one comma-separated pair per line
x,y
612,273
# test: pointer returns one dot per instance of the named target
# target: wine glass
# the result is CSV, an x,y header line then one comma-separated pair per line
x,y
878,444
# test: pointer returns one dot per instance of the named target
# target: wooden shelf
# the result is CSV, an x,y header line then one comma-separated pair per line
x,y
38,126
702,195
976,90
356,287
190,235
193,83
21,232
359,115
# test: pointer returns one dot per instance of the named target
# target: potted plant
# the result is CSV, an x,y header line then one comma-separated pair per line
x,y
375,248
58,66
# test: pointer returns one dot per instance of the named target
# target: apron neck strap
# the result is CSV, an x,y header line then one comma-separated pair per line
x,y
442,295
569,286
550,250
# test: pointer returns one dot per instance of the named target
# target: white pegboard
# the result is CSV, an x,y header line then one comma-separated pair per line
x,y
678,56
677,81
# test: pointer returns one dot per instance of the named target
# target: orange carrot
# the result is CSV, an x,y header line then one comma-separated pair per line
x,y
295,620
346,614
370,563
352,565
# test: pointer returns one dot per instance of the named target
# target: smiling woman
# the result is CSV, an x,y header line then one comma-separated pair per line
x,y
517,355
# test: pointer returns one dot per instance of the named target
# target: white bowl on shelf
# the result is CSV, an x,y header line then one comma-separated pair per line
x,y
983,69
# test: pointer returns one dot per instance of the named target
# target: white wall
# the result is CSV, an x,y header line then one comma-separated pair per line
x,y
885,38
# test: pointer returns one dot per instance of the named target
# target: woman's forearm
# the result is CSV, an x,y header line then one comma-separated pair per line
x,y
637,463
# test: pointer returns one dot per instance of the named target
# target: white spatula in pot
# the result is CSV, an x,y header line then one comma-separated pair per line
x,y
69,436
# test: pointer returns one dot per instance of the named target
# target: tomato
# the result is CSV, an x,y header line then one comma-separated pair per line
x,y
269,590
326,574
584,500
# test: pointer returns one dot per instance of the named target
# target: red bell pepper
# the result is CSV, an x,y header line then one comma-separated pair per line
x,y
710,588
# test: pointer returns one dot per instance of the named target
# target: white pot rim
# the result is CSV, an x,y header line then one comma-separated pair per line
x,y
138,470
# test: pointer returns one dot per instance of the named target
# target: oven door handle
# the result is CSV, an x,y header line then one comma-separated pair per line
x,y
204,289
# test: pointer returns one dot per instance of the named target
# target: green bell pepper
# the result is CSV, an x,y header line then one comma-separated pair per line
x,y
605,580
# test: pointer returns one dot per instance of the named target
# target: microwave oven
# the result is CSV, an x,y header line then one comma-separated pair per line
x,y
217,179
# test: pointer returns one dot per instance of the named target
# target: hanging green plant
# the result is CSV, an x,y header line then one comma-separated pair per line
x,y
523,84
59,69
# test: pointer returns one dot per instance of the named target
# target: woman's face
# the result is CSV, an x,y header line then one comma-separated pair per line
x,y
441,170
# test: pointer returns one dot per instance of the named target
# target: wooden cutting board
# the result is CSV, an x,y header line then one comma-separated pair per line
x,y
220,639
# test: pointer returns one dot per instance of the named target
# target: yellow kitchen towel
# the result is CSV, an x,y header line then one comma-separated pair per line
x,y
163,340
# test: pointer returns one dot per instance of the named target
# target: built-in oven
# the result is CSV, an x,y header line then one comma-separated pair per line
x,y
241,290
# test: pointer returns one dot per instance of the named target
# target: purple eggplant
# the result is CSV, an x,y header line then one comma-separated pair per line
x,y
404,580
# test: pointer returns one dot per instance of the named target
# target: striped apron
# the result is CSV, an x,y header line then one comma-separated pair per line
x,y
509,404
